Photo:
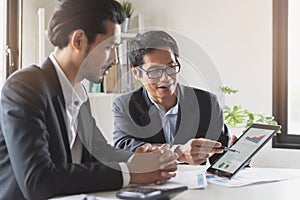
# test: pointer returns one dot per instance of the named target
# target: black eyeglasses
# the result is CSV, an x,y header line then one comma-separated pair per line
x,y
157,73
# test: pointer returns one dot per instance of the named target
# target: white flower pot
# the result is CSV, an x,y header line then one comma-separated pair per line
x,y
125,25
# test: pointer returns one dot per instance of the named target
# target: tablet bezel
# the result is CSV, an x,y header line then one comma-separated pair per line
x,y
229,175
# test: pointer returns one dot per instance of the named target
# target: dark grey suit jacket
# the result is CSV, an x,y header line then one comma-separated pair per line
x,y
35,158
137,121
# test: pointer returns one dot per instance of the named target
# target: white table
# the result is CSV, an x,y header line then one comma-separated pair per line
x,y
282,190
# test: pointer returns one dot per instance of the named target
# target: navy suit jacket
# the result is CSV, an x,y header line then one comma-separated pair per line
x,y
137,121
35,158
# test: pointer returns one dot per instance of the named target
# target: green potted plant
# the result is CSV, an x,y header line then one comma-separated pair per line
x,y
238,117
128,9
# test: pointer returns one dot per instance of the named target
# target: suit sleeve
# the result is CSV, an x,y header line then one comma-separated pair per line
x,y
24,122
217,129
95,142
125,134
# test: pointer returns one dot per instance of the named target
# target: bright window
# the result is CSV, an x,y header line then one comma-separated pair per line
x,y
293,67
286,70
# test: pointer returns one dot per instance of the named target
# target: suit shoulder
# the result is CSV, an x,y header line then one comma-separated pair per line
x,y
129,95
29,80
202,95
27,74
199,91
204,92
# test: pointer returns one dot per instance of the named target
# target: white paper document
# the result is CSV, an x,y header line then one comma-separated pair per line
x,y
191,179
250,176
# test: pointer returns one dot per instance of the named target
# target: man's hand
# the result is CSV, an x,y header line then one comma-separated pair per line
x,y
152,164
196,151
233,138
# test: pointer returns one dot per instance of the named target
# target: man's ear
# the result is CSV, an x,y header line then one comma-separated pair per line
x,y
135,73
77,39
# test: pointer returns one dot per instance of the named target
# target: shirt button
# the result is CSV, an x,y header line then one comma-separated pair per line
x,y
76,102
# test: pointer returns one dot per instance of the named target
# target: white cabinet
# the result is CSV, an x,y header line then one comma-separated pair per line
x,y
101,106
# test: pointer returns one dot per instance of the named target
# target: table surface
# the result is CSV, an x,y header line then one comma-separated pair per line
x,y
287,189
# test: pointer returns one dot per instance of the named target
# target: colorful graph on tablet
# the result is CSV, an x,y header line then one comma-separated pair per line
x,y
247,144
255,139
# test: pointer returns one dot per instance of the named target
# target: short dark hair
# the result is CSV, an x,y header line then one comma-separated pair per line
x,y
142,44
89,15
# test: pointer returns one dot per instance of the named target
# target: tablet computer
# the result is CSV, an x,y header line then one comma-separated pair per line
x,y
248,144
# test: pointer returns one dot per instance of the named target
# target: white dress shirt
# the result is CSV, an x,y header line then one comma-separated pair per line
x,y
74,98
168,120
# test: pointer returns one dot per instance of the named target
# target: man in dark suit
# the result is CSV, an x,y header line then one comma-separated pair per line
x,y
49,142
164,111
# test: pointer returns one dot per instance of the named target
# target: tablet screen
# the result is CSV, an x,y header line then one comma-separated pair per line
x,y
245,147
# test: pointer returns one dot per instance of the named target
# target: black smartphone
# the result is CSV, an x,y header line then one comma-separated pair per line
x,y
146,193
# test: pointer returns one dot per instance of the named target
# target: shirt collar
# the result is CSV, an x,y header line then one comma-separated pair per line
x,y
73,95
173,110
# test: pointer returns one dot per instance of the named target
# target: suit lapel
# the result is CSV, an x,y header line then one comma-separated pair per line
x,y
153,114
188,115
59,105
58,101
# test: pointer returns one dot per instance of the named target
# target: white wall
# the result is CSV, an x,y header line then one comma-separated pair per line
x,y
237,36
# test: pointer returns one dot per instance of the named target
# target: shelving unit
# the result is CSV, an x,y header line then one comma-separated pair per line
x,y
42,33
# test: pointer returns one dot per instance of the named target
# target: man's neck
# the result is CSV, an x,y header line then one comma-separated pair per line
x,y
64,59
165,103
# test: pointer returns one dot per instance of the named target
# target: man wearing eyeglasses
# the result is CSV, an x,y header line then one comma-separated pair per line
x,y
164,111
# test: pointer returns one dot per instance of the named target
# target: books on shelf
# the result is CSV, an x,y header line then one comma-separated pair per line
x,y
95,87
110,81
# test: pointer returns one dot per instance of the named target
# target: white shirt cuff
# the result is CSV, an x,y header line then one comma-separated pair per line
x,y
125,173
174,147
